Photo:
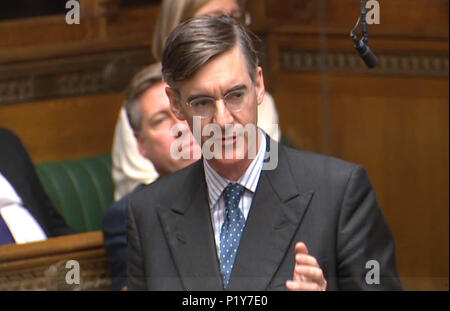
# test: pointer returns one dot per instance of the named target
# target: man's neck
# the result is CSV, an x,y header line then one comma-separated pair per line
x,y
232,171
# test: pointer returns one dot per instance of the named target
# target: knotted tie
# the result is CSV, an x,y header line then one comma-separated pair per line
x,y
231,231
5,235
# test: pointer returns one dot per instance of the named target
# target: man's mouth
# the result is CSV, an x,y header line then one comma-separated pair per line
x,y
229,140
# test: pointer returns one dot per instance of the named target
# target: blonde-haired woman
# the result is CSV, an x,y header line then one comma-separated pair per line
x,y
130,168
174,12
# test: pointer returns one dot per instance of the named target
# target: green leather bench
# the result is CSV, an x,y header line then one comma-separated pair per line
x,y
80,189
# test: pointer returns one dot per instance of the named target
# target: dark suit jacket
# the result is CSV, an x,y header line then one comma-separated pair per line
x,y
327,203
17,167
115,240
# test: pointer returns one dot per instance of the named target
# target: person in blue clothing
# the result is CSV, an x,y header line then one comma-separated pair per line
x,y
148,111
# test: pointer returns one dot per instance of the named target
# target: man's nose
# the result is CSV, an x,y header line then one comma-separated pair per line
x,y
222,116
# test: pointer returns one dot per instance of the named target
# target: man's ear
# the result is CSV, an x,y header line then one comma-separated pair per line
x,y
175,105
260,88
141,145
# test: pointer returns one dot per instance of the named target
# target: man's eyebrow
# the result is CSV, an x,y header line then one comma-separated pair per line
x,y
192,97
238,87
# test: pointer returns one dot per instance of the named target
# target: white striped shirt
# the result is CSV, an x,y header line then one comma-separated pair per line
x,y
217,183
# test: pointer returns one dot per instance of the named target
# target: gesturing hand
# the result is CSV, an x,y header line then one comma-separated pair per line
x,y
307,273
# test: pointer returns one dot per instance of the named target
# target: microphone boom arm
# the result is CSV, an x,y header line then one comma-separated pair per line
x,y
361,46
365,27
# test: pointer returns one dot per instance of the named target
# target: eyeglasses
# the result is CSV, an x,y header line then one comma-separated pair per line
x,y
205,106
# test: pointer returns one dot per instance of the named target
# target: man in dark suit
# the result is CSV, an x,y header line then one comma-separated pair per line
x,y
234,221
150,118
21,189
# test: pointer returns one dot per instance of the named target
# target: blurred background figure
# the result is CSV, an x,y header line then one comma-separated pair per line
x,y
26,212
130,168
151,120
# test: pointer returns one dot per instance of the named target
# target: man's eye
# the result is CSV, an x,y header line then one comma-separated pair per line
x,y
200,103
157,122
235,96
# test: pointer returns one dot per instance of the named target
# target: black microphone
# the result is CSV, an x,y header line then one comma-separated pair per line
x,y
361,46
366,54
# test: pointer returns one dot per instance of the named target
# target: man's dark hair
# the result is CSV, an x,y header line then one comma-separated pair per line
x,y
140,83
197,41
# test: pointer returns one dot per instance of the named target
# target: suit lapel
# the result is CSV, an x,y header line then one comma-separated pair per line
x,y
275,215
277,210
190,234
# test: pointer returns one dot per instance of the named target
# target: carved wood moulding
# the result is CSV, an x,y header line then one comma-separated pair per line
x,y
93,276
74,76
42,265
348,63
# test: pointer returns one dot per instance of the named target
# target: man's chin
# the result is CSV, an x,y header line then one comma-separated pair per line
x,y
182,163
225,162
228,159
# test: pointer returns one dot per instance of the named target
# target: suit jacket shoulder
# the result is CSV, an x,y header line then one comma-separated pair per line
x,y
315,163
312,171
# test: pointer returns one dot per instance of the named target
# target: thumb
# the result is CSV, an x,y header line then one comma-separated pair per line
x,y
300,248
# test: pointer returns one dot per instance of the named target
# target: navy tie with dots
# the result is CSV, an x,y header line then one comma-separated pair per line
x,y
231,231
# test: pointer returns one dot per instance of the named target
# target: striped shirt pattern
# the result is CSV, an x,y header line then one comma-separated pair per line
x,y
217,183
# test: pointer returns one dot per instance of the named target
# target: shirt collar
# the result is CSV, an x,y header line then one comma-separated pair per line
x,y
217,183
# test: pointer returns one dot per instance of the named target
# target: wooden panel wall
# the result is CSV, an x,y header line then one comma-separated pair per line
x,y
393,119
67,128
61,86
102,28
